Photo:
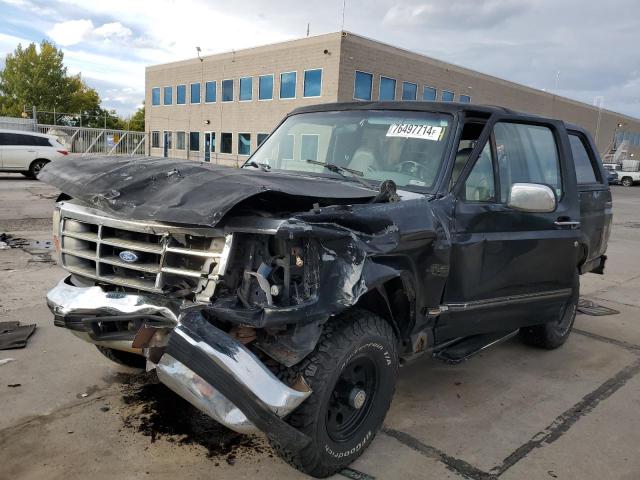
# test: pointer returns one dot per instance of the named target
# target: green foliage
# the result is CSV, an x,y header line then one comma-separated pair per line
x,y
32,77
37,76
136,122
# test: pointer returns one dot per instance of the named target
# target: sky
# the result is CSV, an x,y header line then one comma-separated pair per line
x,y
582,49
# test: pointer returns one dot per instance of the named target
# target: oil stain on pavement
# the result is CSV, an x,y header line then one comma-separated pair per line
x,y
153,410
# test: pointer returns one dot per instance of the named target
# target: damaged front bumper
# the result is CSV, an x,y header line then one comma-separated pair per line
x,y
201,363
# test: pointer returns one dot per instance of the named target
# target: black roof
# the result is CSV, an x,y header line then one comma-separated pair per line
x,y
446,107
441,107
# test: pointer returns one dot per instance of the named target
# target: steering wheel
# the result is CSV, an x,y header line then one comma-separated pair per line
x,y
409,167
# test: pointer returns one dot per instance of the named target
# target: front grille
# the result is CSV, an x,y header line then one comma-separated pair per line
x,y
162,258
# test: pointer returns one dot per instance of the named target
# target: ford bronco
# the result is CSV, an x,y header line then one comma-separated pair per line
x,y
283,296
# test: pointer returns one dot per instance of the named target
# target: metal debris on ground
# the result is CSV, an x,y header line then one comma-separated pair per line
x,y
355,474
14,335
589,307
4,361
14,385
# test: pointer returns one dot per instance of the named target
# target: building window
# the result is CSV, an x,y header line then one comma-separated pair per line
x,y
429,94
244,144
246,89
210,92
409,91
387,89
180,141
195,92
312,83
309,147
181,94
227,90
226,142
155,139
465,99
262,137
447,96
288,85
155,96
168,95
265,87
194,141
286,147
362,86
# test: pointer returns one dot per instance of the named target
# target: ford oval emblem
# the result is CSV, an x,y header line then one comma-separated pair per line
x,y
128,256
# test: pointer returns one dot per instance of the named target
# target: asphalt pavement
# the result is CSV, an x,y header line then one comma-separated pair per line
x,y
511,412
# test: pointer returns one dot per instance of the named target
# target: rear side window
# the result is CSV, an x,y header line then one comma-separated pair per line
x,y
19,139
526,154
585,173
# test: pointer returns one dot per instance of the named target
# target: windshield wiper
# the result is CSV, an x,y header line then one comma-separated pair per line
x,y
265,167
342,171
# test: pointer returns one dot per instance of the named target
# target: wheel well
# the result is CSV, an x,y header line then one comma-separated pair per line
x,y
46,160
395,302
625,177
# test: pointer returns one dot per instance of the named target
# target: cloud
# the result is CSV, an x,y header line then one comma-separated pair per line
x,y
526,41
71,32
114,30
454,14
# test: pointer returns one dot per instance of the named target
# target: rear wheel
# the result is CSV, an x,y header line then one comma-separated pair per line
x,y
35,168
627,182
352,374
554,334
127,359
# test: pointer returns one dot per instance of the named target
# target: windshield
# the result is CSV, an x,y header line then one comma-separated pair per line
x,y
406,147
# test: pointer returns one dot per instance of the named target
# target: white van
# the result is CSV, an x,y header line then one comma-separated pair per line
x,y
27,152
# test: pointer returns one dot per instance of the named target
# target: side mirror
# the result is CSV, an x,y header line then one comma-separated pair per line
x,y
532,197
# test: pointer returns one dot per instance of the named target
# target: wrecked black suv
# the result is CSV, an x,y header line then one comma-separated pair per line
x,y
282,296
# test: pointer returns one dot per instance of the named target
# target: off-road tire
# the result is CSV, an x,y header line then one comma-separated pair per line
x,y
127,359
353,337
35,167
554,334
627,182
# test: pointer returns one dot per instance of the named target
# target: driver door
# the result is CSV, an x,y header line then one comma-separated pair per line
x,y
511,268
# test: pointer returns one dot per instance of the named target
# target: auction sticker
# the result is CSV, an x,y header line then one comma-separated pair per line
x,y
410,130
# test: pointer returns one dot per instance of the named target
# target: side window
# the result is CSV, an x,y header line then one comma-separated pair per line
x,y
585,173
4,139
480,184
526,154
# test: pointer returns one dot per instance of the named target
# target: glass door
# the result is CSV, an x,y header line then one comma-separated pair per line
x,y
209,145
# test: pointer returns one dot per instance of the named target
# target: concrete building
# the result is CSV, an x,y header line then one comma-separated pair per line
x,y
219,108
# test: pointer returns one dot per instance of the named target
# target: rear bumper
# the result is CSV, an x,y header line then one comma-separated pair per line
x,y
201,363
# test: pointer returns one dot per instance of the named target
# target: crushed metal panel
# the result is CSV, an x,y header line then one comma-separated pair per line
x,y
179,191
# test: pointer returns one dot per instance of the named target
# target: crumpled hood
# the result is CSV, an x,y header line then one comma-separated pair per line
x,y
178,191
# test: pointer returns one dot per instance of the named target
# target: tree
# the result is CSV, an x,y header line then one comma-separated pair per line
x,y
32,77
136,122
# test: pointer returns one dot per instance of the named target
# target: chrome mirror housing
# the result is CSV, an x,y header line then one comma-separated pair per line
x,y
532,197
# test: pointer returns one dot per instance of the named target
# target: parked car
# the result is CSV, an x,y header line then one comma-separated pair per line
x,y
27,152
629,173
611,172
284,295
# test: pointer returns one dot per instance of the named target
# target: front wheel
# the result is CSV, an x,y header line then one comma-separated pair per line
x,y
35,168
627,182
352,373
553,334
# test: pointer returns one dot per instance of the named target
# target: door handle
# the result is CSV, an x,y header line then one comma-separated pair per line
x,y
566,222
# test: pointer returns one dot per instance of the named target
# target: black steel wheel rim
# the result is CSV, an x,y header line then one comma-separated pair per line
x,y
343,420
